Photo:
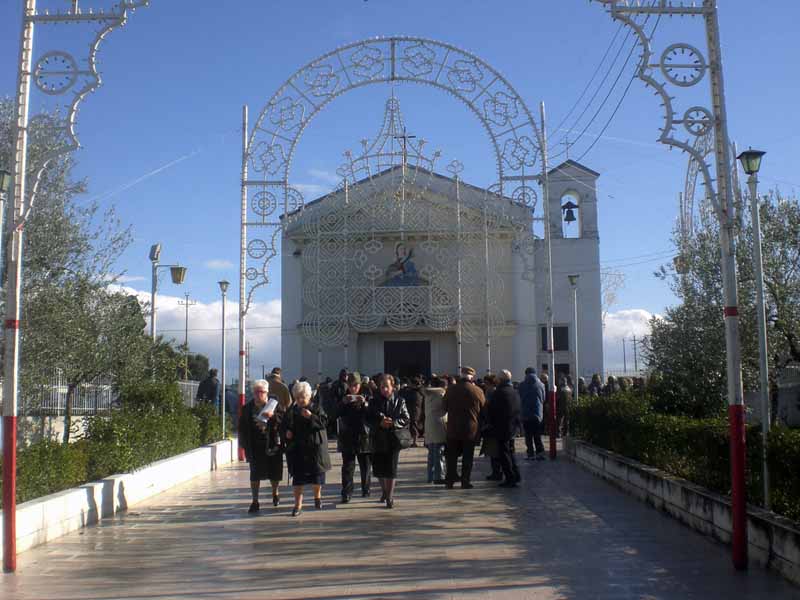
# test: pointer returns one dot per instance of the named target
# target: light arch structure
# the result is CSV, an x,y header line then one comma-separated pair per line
x,y
269,147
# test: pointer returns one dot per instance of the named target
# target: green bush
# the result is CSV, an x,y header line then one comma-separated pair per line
x,y
151,425
695,449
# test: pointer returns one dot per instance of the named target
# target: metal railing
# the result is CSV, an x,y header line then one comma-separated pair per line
x,y
96,397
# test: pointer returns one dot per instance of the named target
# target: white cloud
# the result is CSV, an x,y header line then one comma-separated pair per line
x,y
624,325
311,191
130,278
218,264
326,176
205,329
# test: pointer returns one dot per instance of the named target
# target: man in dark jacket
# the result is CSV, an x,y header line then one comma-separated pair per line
x,y
412,394
504,418
208,390
338,390
532,394
463,403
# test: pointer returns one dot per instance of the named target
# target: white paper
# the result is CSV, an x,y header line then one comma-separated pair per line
x,y
269,407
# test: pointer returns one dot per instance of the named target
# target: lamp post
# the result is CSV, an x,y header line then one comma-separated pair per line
x,y
178,274
573,281
751,163
187,303
223,287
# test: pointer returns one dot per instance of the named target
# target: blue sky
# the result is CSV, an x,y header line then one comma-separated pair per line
x,y
161,139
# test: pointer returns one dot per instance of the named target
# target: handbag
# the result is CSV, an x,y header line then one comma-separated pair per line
x,y
403,438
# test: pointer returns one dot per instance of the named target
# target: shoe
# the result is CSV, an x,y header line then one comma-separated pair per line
x,y
439,482
540,456
365,494
383,498
345,499
276,500
466,485
390,503
296,511
448,485
254,507
508,484
494,477
318,503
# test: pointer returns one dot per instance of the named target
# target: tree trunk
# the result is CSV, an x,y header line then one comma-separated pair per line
x,y
68,410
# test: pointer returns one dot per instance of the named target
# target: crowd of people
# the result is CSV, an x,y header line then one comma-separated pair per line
x,y
374,418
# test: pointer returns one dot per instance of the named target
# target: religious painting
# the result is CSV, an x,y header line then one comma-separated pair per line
x,y
403,272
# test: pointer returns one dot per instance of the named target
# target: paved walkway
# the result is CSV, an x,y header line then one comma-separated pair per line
x,y
564,534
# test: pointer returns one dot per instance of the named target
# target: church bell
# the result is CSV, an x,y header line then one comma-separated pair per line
x,y
569,210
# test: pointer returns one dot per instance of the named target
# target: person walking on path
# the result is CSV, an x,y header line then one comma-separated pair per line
x,y
412,394
389,418
435,430
504,419
259,436
307,445
463,403
489,447
353,438
278,389
532,394
209,389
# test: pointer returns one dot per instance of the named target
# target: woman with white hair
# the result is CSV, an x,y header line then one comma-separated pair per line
x,y
306,445
259,436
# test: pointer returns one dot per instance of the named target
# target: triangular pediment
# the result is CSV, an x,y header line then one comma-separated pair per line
x,y
572,168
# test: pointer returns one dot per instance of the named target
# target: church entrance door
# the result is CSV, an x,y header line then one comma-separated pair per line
x,y
407,358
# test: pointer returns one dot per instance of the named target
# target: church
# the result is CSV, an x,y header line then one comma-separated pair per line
x,y
406,270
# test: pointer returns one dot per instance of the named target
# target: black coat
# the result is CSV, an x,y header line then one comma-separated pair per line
x,y
256,441
504,412
354,431
307,450
385,440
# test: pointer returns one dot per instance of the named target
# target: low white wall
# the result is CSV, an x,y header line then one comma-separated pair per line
x,y
773,541
46,518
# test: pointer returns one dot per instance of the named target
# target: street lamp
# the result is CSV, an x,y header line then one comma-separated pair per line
x,y
223,287
751,163
177,273
573,281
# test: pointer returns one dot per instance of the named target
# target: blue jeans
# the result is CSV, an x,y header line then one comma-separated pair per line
x,y
436,464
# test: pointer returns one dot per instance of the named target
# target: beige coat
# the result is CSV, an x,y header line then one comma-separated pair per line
x,y
435,416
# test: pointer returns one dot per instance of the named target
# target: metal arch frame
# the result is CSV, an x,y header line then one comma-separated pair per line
x,y
381,60
720,192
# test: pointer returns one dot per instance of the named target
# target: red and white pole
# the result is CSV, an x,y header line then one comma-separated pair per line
x,y
14,292
242,279
725,214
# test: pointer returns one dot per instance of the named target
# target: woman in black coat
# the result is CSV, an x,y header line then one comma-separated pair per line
x,y
262,443
387,414
353,437
304,427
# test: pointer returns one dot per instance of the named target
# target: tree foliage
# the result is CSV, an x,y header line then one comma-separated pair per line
x,y
687,345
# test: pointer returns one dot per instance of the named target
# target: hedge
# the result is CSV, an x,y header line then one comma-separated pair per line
x,y
151,425
695,449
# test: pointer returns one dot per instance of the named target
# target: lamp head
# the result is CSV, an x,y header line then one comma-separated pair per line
x,y
223,286
573,280
178,274
5,181
155,252
751,160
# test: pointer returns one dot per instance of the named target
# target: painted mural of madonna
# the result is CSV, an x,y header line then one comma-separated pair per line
x,y
403,272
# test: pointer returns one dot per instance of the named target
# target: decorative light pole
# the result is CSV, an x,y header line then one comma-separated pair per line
x,y
223,287
63,81
680,66
178,274
751,163
573,281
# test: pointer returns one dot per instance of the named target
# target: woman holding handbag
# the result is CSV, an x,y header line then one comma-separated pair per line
x,y
389,417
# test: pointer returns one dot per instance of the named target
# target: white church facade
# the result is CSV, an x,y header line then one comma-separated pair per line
x,y
406,270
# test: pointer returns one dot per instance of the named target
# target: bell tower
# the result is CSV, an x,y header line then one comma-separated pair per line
x,y
573,201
